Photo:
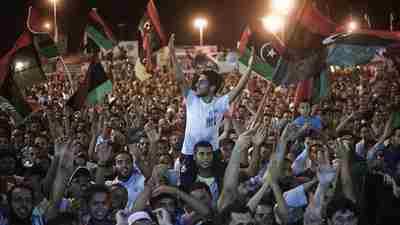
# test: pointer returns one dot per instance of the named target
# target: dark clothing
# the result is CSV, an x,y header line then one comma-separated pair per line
x,y
382,207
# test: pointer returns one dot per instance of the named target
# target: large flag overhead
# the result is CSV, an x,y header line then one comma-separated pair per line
x,y
98,31
20,69
94,88
266,56
43,42
304,53
152,33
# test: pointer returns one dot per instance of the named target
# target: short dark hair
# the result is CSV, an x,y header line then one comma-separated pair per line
x,y
236,207
340,204
200,186
97,188
214,78
204,144
124,153
65,218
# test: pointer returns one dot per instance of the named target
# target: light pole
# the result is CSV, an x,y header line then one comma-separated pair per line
x,y
200,23
55,20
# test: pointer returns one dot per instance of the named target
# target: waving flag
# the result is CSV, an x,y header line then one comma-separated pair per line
x,y
152,34
98,31
20,68
266,56
94,88
42,41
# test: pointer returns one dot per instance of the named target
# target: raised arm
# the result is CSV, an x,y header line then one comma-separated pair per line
x,y
180,77
326,175
344,153
243,80
231,178
64,171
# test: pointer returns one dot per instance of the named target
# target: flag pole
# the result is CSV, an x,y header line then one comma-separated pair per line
x,y
68,74
391,21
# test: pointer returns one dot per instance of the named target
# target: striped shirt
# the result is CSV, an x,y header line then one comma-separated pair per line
x,y
203,120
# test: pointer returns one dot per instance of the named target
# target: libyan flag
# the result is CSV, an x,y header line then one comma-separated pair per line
x,y
153,36
266,56
94,88
99,32
42,41
20,69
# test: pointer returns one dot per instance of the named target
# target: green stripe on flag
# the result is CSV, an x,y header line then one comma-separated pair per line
x,y
98,94
99,38
49,52
263,69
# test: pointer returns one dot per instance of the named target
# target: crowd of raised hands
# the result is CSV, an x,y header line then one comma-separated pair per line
x,y
336,161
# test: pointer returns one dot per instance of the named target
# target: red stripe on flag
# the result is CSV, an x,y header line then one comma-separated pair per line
x,y
97,18
244,40
155,20
313,19
24,40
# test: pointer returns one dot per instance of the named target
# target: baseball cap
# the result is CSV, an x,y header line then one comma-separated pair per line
x,y
138,216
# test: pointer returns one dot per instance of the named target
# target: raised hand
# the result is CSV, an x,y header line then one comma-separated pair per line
x,y
67,154
326,172
245,138
171,47
163,216
152,132
342,150
260,136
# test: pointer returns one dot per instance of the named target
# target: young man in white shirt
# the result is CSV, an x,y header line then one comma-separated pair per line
x,y
204,109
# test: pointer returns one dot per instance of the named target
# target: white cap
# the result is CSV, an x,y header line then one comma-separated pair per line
x,y
138,216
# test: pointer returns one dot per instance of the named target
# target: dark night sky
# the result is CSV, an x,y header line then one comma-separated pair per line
x,y
227,18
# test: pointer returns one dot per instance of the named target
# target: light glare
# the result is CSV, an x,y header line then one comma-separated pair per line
x,y
273,23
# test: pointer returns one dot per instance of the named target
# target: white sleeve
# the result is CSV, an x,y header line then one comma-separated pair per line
x,y
299,165
223,104
190,97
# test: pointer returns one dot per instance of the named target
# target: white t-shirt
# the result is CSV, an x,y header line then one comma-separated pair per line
x,y
203,120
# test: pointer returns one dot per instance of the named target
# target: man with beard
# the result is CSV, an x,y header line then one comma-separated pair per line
x,y
128,175
205,170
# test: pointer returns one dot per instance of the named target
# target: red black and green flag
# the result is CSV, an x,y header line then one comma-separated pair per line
x,y
20,69
266,55
99,32
304,53
43,41
153,36
93,89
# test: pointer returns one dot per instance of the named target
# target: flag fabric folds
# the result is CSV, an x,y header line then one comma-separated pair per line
x,y
153,36
98,31
42,40
93,89
98,38
20,69
266,56
95,18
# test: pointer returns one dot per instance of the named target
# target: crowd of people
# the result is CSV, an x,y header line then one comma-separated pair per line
x,y
206,149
